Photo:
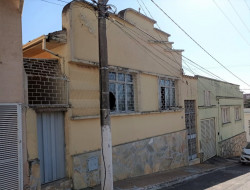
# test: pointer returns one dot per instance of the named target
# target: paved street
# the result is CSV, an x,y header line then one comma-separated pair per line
x,y
231,178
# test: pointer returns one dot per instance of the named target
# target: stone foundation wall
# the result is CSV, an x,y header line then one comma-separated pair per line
x,y
233,146
133,159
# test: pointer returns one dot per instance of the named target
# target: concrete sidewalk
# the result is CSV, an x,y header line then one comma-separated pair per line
x,y
168,178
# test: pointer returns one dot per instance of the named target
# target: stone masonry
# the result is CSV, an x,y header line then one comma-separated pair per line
x,y
233,146
46,84
135,159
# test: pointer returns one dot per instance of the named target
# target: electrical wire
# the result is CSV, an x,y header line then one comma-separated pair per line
x,y
151,37
247,5
146,49
229,20
236,12
181,54
52,3
199,44
141,7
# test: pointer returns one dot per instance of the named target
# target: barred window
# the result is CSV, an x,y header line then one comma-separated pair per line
x,y
122,87
167,94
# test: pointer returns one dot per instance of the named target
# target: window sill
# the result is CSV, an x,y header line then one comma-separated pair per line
x,y
226,123
127,114
205,107
237,120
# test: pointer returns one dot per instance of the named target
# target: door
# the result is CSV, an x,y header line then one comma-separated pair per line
x,y
50,129
208,142
190,123
11,147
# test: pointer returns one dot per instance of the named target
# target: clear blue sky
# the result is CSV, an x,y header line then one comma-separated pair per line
x,y
200,18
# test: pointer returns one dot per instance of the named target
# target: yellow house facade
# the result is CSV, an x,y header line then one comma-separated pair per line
x,y
149,125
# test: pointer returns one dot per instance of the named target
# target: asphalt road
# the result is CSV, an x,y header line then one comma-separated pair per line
x,y
232,178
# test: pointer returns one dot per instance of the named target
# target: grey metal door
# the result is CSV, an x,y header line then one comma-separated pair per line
x,y
11,170
190,122
50,128
208,141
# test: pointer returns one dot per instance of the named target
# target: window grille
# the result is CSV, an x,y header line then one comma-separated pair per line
x,y
167,94
122,86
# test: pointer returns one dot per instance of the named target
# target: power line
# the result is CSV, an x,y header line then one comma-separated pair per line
x,y
247,5
199,44
242,21
142,8
202,68
52,3
119,25
229,20
192,62
152,37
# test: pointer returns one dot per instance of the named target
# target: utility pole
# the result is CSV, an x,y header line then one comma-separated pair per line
x,y
106,146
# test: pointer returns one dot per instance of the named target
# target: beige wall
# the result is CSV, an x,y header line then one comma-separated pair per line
x,y
84,45
221,94
11,67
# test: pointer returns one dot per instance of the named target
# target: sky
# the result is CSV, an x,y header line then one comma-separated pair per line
x,y
221,27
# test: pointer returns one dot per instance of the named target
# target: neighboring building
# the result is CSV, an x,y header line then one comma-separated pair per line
x,y
220,118
151,130
246,100
247,122
13,165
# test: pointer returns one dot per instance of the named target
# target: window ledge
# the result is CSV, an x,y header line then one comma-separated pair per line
x,y
205,107
237,120
127,114
226,123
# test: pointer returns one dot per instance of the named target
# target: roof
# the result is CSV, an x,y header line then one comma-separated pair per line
x,y
53,40
123,13
199,76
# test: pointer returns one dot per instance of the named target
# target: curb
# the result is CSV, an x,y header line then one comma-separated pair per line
x,y
178,180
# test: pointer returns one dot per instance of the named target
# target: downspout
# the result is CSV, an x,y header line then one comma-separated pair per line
x,y
61,57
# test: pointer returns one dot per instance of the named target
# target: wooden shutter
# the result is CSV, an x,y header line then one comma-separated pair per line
x,y
11,147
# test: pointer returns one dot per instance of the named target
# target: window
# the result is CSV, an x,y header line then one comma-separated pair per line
x,y
167,94
122,86
207,101
225,114
237,113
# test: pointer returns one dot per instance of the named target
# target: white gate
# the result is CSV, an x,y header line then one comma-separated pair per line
x,y
208,141
11,177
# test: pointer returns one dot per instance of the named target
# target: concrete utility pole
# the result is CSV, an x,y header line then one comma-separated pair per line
x,y
106,147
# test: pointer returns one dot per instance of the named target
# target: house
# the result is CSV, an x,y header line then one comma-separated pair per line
x,y
13,165
151,129
220,119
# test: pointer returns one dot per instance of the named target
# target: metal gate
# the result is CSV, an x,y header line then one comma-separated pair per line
x,y
11,147
50,128
190,122
208,142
